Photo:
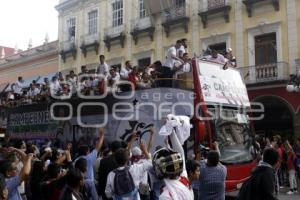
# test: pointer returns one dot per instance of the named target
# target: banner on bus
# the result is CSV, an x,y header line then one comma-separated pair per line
x,y
222,86
31,122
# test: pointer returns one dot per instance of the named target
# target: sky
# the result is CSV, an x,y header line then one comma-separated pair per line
x,y
22,20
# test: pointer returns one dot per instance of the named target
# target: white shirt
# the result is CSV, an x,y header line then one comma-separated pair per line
x,y
115,79
220,59
180,51
186,67
18,87
34,92
170,61
54,87
124,73
103,68
136,171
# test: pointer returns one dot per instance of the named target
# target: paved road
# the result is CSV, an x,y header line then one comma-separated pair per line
x,y
289,197
284,196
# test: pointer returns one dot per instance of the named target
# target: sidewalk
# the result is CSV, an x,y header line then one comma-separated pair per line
x,y
284,196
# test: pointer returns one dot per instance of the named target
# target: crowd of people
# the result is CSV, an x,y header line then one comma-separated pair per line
x,y
106,78
116,171
288,166
120,170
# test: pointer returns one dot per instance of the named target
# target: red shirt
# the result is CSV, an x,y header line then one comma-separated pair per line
x,y
291,161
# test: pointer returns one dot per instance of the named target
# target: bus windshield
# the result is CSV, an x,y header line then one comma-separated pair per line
x,y
234,138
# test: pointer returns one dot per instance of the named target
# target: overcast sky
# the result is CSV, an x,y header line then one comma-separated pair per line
x,y
25,19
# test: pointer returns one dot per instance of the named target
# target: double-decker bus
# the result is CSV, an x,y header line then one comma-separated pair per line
x,y
215,99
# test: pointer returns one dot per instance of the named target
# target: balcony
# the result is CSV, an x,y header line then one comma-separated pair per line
x,y
268,73
249,5
215,7
175,16
142,26
90,42
114,35
67,48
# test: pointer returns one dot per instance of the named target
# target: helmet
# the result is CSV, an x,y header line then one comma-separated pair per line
x,y
167,163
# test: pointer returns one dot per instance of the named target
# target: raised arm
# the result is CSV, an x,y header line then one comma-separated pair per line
x,y
100,140
150,142
132,139
144,150
26,167
20,153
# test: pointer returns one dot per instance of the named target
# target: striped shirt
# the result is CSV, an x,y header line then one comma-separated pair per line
x,y
212,182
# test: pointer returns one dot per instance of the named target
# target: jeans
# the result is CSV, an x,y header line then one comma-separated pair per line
x,y
292,179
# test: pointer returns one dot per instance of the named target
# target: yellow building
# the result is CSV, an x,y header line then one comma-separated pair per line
x,y
262,33
32,64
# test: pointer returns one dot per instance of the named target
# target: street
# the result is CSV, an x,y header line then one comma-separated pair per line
x,y
289,197
284,196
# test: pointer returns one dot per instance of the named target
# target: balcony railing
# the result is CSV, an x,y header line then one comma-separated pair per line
x,y
214,7
174,13
114,31
265,73
114,34
67,45
213,4
89,40
66,48
139,26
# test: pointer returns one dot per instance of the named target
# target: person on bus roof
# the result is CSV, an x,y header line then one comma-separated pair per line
x,y
216,57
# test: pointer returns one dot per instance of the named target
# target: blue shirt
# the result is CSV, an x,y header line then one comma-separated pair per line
x,y
90,158
212,182
12,186
91,189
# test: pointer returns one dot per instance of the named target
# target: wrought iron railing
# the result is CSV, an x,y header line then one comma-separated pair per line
x,y
265,73
67,45
114,31
174,13
213,4
90,38
141,23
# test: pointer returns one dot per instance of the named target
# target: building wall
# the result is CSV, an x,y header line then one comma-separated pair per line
x,y
35,63
236,33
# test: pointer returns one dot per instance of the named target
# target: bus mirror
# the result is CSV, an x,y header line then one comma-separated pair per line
x,y
201,131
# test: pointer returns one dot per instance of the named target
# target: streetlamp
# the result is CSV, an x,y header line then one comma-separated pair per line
x,y
294,83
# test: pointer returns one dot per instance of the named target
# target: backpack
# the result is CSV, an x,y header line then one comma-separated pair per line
x,y
124,187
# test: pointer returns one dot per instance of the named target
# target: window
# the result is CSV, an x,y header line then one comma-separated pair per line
x,y
265,49
144,62
117,9
142,10
92,22
71,28
219,47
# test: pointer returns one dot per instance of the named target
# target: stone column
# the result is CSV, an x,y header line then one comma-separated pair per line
x,y
292,34
195,40
297,125
239,48
128,41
